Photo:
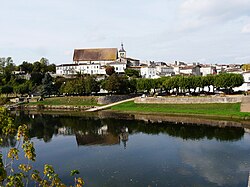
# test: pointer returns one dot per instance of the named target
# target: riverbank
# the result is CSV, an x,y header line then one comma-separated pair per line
x,y
211,110
147,117
225,110
68,101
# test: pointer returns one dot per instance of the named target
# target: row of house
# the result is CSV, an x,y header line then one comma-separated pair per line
x,y
94,62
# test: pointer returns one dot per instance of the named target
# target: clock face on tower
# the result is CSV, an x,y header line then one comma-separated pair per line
x,y
122,54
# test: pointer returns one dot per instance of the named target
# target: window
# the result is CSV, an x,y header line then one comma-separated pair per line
x,y
116,68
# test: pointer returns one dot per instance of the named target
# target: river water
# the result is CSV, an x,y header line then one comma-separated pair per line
x,y
124,152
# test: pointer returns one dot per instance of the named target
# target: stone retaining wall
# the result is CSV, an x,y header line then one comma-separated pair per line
x,y
188,100
54,107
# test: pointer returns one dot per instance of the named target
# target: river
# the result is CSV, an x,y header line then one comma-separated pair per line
x,y
126,152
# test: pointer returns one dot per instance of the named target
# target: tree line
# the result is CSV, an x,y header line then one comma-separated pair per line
x,y
122,84
13,83
43,83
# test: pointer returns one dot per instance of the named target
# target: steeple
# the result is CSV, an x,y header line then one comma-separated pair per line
x,y
122,52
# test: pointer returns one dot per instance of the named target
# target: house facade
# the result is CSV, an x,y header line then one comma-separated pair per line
x,y
207,70
148,72
246,85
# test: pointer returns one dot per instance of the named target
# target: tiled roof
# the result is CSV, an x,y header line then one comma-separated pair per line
x,y
101,54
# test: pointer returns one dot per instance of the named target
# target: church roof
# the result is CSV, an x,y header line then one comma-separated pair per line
x,y
101,54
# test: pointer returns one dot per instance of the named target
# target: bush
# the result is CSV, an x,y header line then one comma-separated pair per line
x,y
25,172
3,100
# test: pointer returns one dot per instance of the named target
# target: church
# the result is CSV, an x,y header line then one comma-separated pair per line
x,y
94,61
104,56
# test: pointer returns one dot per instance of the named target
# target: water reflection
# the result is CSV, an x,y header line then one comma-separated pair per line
x,y
123,152
96,131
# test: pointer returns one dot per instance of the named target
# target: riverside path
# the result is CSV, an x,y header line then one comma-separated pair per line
x,y
109,105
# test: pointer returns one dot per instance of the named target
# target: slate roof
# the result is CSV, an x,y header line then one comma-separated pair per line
x,y
101,54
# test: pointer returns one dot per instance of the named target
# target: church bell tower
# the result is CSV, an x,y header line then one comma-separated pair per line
x,y
122,52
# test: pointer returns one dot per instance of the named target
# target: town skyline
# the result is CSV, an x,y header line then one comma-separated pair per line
x,y
205,31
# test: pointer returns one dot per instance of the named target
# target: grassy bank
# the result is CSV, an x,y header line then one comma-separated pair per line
x,y
68,101
214,109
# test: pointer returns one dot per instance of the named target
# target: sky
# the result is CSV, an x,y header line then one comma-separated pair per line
x,y
205,31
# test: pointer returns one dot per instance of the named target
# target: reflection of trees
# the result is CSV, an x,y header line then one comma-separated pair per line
x,y
41,126
45,126
9,141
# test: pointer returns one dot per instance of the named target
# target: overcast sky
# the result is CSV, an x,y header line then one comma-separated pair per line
x,y
206,31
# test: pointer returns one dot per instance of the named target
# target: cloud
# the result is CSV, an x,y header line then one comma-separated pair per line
x,y
246,29
208,12
216,164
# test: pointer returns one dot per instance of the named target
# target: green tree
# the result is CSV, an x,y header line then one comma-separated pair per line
x,y
37,67
145,84
112,83
91,85
10,176
246,67
110,70
133,85
36,78
22,88
6,89
132,73
48,87
26,66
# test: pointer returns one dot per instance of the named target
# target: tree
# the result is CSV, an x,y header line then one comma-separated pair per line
x,y
228,81
110,70
91,85
209,81
123,84
22,88
246,67
132,73
6,89
112,83
132,85
68,88
48,87
37,67
44,62
26,66
36,78
145,84
21,176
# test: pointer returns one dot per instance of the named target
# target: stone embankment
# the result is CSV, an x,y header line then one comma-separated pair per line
x,y
188,100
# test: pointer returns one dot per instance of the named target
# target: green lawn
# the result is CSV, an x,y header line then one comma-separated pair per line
x,y
215,109
73,101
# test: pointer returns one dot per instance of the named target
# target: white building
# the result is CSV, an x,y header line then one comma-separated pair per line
x,y
207,70
190,70
246,85
119,66
164,70
148,72
67,69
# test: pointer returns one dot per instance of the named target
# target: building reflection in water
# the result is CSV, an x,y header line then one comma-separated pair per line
x,y
101,137
65,131
123,136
